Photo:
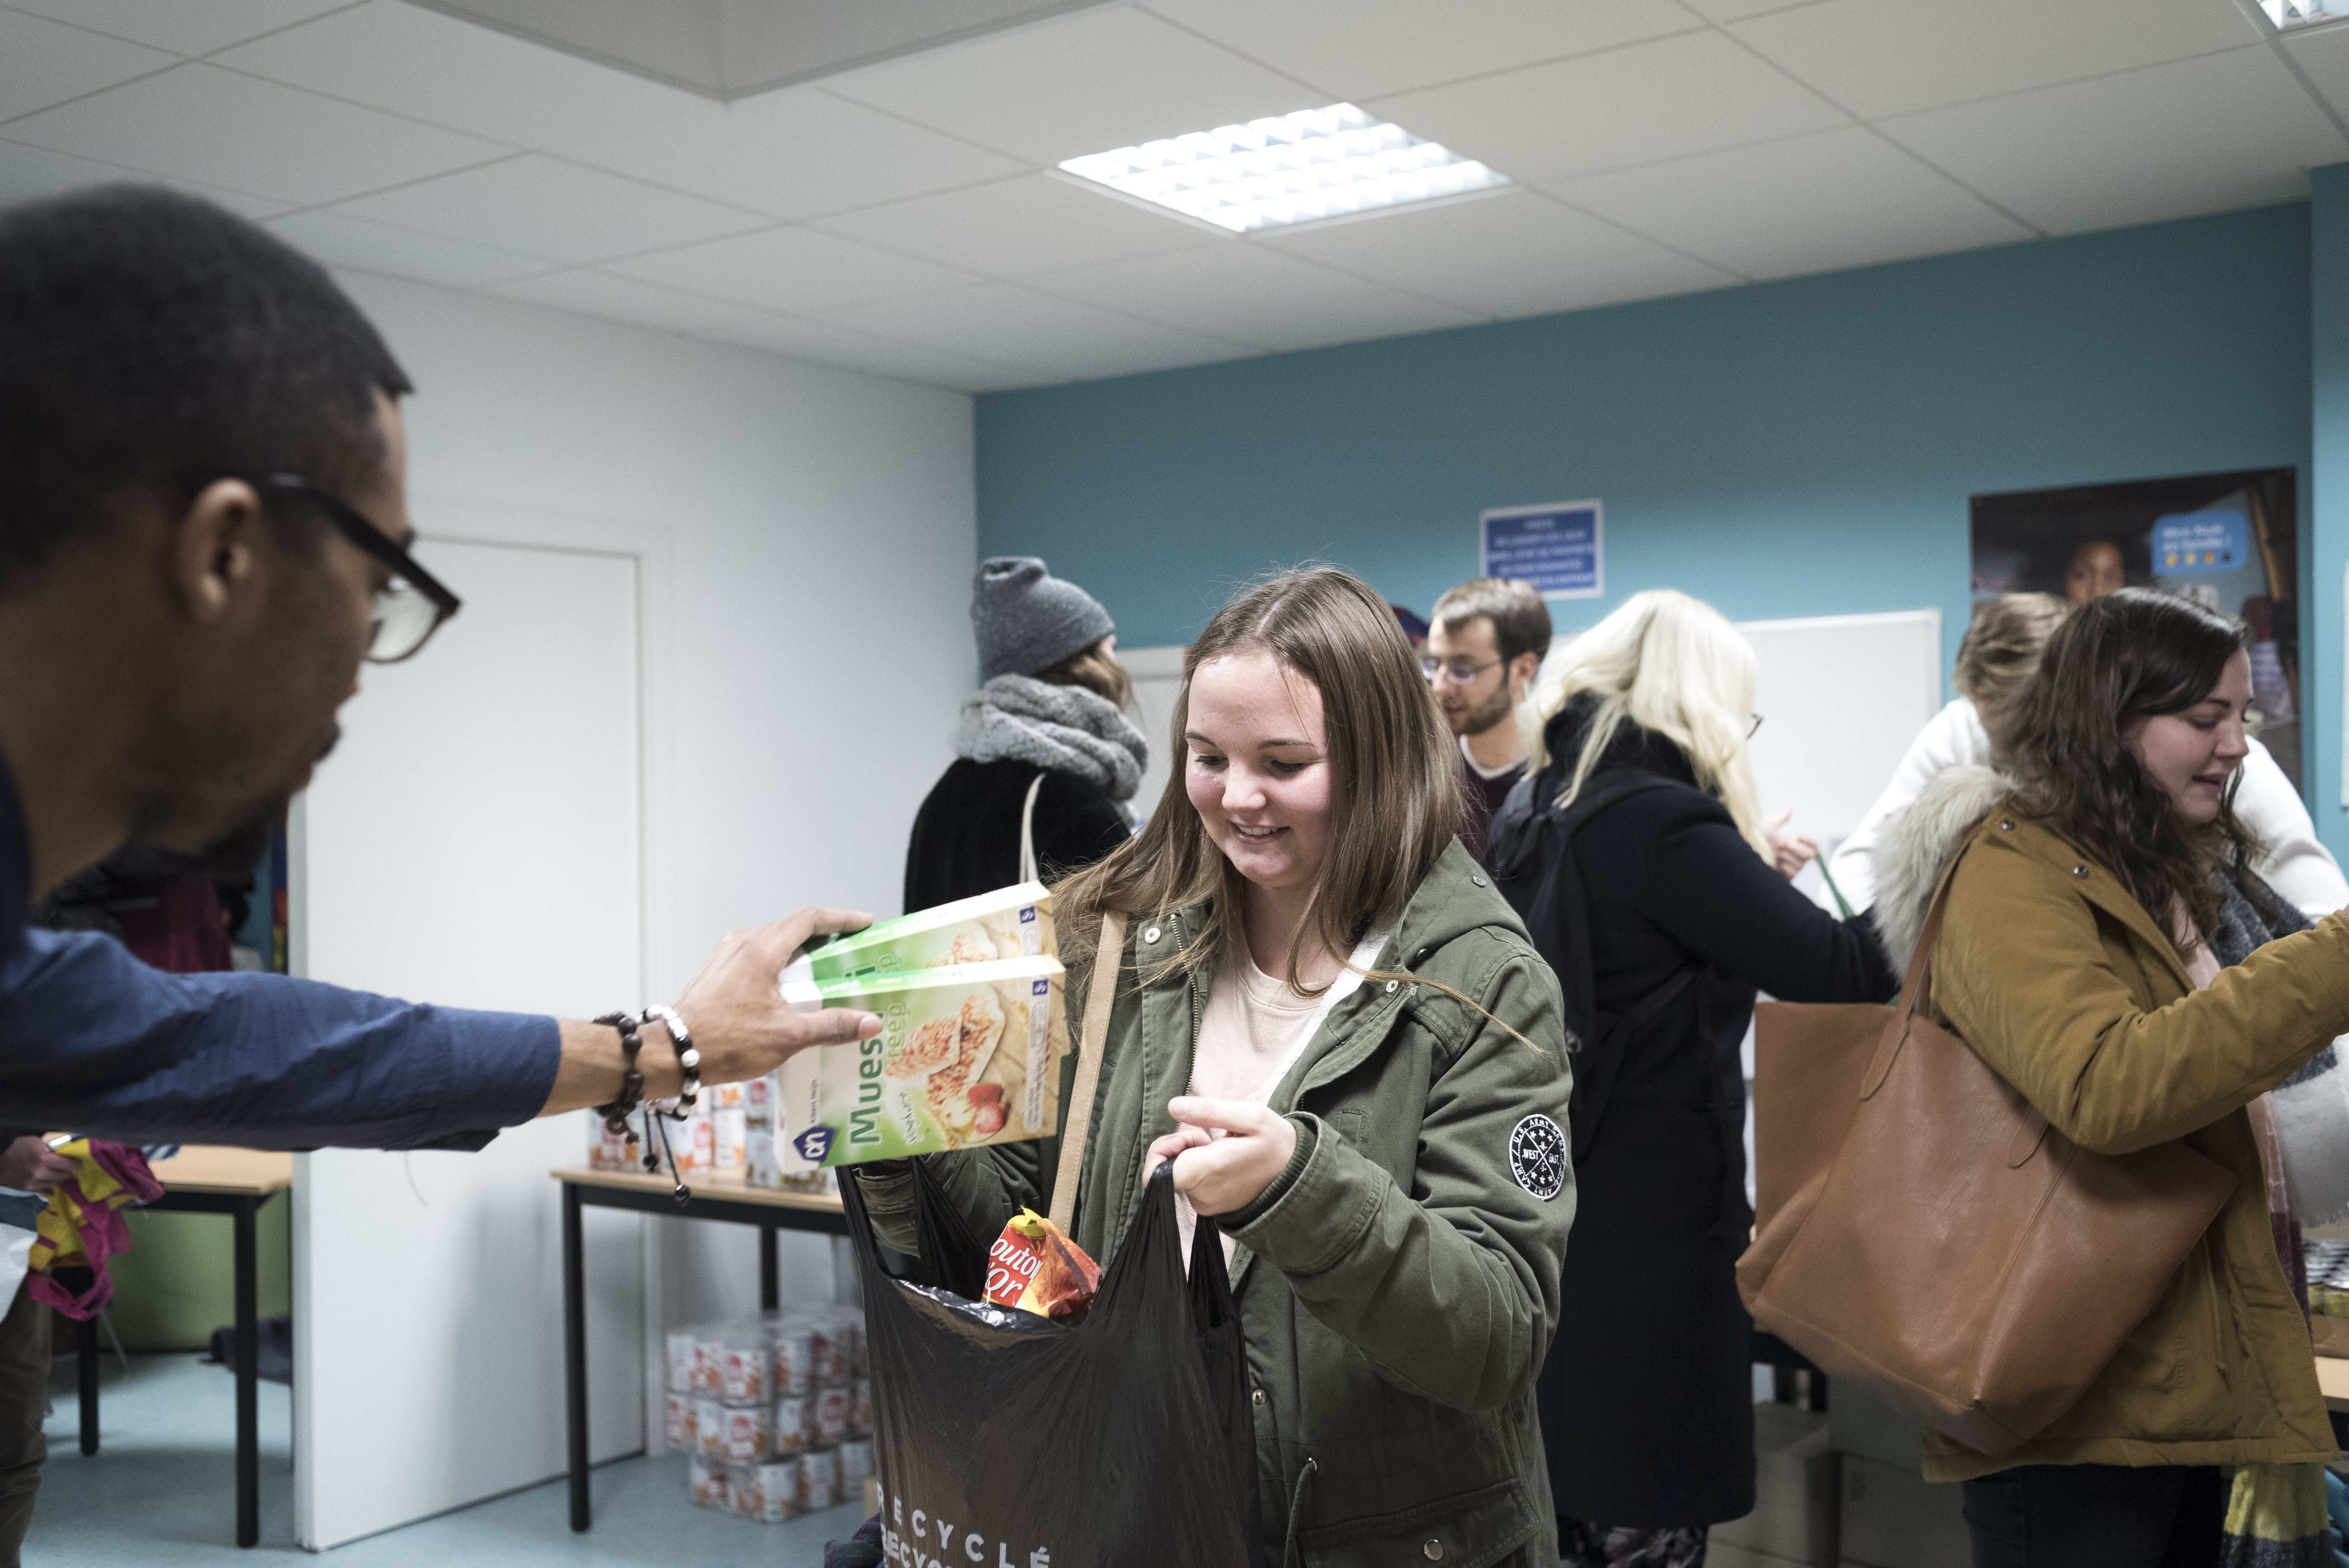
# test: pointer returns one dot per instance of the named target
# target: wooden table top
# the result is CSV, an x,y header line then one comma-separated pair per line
x,y
241,1173
726,1184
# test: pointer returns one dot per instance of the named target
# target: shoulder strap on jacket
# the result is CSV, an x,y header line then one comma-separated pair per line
x,y
1077,1115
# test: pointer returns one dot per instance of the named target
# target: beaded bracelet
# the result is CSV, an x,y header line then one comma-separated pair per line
x,y
632,1081
688,1061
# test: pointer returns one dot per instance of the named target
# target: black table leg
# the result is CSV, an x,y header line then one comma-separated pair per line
x,y
771,1284
574,1354
248,1358
86,1354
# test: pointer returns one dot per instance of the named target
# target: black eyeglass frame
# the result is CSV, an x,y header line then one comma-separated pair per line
x,y
372,540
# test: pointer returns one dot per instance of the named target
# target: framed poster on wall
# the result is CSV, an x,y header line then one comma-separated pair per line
x,y
1557,547
2228,542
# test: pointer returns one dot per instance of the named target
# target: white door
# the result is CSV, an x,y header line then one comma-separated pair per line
x,y
475,842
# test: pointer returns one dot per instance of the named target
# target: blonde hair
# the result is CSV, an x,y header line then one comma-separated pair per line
x,y
1675,665
2000,652
1395,800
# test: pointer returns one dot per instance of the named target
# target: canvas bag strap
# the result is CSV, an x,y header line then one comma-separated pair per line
x,y
1028,831
1078,1120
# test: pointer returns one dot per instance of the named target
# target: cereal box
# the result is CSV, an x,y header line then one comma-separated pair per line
x,y
968,1054
1010,923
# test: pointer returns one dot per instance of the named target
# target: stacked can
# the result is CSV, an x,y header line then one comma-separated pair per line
x,y
775,1412
608,1150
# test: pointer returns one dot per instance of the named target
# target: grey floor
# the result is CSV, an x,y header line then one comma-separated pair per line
x,y
160,1490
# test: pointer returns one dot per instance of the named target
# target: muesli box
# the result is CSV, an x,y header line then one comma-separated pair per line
x,y
968,1054
1011,923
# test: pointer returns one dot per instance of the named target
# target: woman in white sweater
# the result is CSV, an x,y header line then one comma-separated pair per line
x,y
2000,649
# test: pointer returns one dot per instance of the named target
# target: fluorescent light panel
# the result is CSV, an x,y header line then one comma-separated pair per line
x,y
2290,14
1290,168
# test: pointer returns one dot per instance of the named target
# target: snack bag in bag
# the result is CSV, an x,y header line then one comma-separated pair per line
x,y
1034,1268
1125,1440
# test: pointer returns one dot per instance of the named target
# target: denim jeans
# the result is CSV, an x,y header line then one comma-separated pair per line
x,y
2098,1516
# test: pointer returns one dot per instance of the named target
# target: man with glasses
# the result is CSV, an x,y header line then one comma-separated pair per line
x,y
1484,645
204,533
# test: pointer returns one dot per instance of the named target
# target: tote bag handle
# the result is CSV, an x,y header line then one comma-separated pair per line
x,y
1028,831
1079,1118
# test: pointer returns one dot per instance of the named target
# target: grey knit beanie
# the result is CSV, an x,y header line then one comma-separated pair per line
x,y
1027,620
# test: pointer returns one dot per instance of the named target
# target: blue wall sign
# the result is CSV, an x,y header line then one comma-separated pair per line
x,y
2200,542
1556,548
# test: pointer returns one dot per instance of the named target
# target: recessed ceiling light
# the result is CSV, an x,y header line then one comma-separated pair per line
x,y
2289,14
1330,162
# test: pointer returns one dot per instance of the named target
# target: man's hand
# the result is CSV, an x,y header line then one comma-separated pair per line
x,y
1790,853
734,1007
1225,1153
28,1165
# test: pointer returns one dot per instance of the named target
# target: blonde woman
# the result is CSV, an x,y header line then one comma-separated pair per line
x,y
1341,1034
1647,1396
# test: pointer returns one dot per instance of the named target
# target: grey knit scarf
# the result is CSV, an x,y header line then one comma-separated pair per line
x,y
1063,728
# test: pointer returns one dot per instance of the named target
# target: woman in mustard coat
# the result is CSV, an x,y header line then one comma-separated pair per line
x,y
2072,959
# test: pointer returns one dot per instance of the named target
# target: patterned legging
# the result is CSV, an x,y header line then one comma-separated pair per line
x,y
1621,1546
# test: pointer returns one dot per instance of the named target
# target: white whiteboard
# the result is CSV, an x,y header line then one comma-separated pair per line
x,y
1157,680
1841,697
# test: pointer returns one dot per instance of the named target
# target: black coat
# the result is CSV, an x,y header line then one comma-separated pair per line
x,y
1647,1396
967,835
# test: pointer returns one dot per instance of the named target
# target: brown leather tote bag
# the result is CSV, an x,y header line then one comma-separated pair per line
x,y
1922,1231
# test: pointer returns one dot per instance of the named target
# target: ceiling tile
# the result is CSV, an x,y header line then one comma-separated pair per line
x,y
416,62
621,300
1636,105
1517,253
1731,10
1019,326
200,123
1359,48
1105,79
27,173
1879,58
2324,55
342,241
826,344
182,27
44,63
2169,141
543,207
791,270
795,154
1839,198
1255,295
1040,223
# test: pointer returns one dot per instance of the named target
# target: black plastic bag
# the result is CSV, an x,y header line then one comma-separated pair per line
x,y
1007,1440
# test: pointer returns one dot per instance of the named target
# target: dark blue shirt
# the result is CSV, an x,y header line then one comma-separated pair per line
x,y
94,1041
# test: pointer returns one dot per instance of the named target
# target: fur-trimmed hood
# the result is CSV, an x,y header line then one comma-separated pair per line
x,y
1916,845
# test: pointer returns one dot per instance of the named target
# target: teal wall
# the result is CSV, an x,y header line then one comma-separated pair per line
x,y
1790,449
2322,565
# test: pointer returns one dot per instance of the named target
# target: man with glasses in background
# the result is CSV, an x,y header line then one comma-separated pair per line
x,y
204,535
1486,642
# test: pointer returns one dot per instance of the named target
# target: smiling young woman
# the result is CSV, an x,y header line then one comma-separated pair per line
x,y
2105,950
1339,1033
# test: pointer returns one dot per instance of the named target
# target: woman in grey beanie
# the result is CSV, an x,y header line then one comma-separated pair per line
x,y
1044,744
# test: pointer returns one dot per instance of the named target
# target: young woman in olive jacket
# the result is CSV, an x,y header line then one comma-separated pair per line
x,y
1395,1183
2072,958
1647,1399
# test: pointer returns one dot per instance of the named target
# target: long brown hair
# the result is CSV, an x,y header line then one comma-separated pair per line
x,y
1095,668
1395,799
2130,656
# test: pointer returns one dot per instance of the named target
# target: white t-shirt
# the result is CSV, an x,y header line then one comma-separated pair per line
x,y
1251,1032
2298,867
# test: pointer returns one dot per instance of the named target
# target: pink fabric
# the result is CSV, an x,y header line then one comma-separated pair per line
x,y
102,1231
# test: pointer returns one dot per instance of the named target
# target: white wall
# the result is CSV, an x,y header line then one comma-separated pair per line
x,y
813,618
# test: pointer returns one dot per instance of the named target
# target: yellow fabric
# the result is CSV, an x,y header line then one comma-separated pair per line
x,y
2075,994
56,1233
2278,1503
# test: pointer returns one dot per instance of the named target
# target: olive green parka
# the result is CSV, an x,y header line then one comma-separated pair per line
x,y
1399,1282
